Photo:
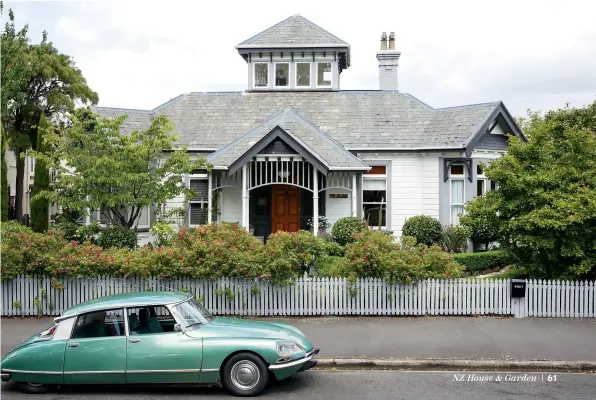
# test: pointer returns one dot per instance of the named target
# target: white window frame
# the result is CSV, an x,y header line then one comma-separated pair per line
x,y
275,64
317,74
377,177
197,177
254,75
481,177
309,74
452,178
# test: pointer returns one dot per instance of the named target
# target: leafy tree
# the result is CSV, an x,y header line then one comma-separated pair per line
x,y
37,79
482,220
546,200
4,184
101,168
39,206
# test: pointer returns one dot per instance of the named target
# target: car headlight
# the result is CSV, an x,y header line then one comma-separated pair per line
x,y
285,349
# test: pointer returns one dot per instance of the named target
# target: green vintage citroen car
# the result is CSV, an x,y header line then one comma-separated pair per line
x,y
157,338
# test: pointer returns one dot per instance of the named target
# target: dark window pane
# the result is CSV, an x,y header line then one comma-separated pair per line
x,y
199,186
374,196
371,214
479,170
198,213
480,183
457,169
303,74
282,74
99,324
493,185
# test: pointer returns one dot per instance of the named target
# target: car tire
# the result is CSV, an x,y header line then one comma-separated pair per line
x,y
33,388
245,374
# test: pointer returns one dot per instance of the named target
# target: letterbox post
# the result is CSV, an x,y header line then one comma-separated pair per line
x,y
518,292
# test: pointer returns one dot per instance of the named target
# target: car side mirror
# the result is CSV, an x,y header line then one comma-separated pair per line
x,y
178,328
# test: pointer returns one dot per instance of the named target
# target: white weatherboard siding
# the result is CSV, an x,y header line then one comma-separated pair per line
x,y
337,208
414,188
231,205
414,185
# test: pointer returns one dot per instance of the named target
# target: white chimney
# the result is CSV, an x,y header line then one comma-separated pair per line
x,y
388,61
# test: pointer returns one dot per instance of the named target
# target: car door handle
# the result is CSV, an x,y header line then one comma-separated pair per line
x,y
73,345
134,340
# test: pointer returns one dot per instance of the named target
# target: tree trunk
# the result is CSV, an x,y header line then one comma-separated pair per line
x,y
19,187
5,199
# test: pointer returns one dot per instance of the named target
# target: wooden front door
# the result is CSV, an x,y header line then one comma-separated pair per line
x,y
285,208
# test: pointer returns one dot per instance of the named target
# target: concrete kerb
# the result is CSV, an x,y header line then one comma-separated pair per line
x,y
456,365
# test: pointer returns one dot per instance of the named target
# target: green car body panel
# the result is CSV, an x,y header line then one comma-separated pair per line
x,y
191,356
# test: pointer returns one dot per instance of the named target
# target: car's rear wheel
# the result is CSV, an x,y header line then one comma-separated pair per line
x,y
34,388
245,374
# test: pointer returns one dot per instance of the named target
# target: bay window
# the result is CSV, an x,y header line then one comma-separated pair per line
x,y
457,189
374,196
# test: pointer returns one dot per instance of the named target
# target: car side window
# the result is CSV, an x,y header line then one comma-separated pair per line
x,y
150,319
99,324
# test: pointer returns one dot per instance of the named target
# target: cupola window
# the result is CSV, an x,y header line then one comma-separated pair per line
x,y
323,74
261,74
302,74
282,74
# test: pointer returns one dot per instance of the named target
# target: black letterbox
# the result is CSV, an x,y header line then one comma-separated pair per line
x,y
518,288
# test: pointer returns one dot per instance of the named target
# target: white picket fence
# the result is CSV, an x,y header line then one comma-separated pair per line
x,y
29,296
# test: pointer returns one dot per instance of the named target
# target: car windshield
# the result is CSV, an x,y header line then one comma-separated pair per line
x,y
191,314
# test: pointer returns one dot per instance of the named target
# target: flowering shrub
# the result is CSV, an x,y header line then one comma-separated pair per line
x,y
221,250
214,251
292,254
375,254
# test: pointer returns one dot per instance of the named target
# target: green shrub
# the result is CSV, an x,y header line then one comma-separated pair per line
x,y
476,262
481,219
344,229
426,229
331,266
77,233
455,239
14,227
294,253
212,251
366,257
163,233
118,237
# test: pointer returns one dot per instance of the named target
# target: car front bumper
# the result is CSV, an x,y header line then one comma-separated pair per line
x,y
5,376
304,363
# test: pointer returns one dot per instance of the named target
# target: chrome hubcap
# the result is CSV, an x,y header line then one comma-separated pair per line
x,y
34,384
245,375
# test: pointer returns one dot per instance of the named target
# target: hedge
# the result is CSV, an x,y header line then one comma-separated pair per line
x,y
476,262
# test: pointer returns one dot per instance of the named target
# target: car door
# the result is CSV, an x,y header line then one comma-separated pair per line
x,y
156,353
96,350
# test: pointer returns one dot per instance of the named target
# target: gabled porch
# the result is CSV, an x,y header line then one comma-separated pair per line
x,y
283,175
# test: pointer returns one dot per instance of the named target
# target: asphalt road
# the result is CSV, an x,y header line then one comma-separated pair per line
x,y
360,385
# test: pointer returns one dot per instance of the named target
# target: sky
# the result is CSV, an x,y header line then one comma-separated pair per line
x,y
536,55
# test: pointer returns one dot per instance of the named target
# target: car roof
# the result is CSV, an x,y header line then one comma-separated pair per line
x,y
126,300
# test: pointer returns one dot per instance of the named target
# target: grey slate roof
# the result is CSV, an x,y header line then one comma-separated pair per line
x,y
356,119
291,32
136,120
320,145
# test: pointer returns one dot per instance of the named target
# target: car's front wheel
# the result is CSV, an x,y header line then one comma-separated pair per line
x,y
245,374
34,388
